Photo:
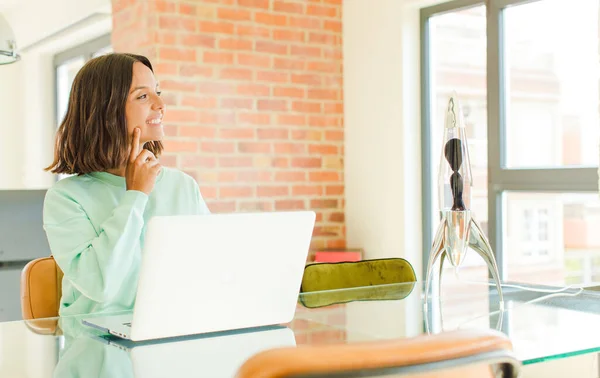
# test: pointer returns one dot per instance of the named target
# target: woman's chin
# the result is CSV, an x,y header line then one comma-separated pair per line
x,y
156,135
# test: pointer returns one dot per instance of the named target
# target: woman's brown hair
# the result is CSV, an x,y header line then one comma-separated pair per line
x,y
93,135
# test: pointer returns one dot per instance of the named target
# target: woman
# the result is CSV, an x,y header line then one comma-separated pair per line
x,y
95,220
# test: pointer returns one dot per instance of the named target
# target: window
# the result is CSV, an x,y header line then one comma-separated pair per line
x,y
68,63
530,97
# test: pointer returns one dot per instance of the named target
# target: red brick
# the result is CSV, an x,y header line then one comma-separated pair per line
x,y
233,14
290,176
273,77
160,6
235,44
199,101
316,10
188,70
306,22
323,94
327,39
291,119
216,27
221,118
177,85
329,67
306,107
236,133
323,203
208,192
306,51
289,7
216,88
289,92
337,217
187,9
253,31
290,148
276,133
324,176
163,37
271,47
165,69
334,53
309,162
254,147
336,243
323,149
323,121
253,89
254,176
180,146
217,57
270,19
264,4
335,26
255,206
306,79
186,116
334,135
197,131
221,206
236,74
198,40
254,118
337,108
288,64
218,147
307,190
235,161
168,160
274,105
177,54
272,191
176,23
291,204
280,162
254,60
334,190
235,191
237,103
199,161
288,35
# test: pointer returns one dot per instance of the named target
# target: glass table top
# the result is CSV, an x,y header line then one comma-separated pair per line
x,y
544,323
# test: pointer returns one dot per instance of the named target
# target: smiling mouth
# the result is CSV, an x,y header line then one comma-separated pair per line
x,y
155,121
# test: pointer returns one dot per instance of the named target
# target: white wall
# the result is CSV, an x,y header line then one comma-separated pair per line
x,y
382,128
27,96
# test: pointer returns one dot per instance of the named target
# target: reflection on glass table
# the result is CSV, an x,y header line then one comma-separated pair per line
x,y
543,323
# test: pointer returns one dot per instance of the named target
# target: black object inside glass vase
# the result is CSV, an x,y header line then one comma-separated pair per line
x,y
453,154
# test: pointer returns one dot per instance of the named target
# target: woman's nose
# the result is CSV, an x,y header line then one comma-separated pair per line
x,y
158,103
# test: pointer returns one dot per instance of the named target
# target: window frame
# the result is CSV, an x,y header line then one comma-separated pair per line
x,y
86,50
500,178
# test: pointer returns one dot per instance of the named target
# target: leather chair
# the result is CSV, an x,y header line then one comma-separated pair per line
x,y
41,290
463,353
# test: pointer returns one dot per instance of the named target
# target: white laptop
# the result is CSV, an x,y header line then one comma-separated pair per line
x,y
217,272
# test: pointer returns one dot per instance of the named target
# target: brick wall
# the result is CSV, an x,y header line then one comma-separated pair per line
x,y
254,95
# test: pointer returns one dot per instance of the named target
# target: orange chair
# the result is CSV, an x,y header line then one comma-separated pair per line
x,y
41,289
463,353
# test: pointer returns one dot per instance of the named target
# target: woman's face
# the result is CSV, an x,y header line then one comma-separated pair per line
x,y
144,109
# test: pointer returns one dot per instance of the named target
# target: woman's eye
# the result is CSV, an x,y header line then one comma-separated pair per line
x,y
158,93
142,97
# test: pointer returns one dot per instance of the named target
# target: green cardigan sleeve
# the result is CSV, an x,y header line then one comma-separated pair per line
x,y
96,262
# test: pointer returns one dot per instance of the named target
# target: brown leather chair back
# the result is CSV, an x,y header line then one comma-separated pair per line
x,y
41,289
464,353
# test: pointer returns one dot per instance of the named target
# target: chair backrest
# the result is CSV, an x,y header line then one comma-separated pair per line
x,y
463,353
41,288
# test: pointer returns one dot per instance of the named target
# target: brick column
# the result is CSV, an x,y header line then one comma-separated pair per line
x,y
254,95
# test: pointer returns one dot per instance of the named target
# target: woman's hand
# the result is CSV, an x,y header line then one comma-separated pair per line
x,y
142,166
